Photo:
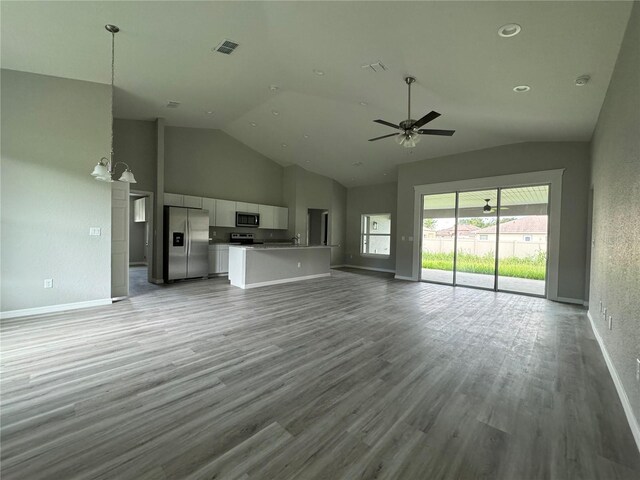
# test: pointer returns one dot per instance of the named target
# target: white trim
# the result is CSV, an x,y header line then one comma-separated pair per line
x,y
576,301
54,308
138,264
400,277
338,266
373,269
551,177
626,404
283,280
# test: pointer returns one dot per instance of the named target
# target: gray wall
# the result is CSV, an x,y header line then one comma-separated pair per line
x,y
505,160
303,190
370,199
137,237
615,256
54,131
135,144
210,163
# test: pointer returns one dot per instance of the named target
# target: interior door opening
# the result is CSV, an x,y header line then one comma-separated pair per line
x,y
493,239
140,242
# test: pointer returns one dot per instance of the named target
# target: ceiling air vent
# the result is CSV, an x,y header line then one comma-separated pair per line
x,y
173,104
227,47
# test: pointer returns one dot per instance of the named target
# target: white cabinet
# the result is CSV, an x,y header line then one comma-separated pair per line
x,y
218,259
209,204
140,210
247,207
267,216
174,200
281,216
192,202
225,213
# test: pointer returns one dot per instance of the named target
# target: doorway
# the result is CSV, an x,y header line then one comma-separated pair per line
x,y
494,239
317,226
140,242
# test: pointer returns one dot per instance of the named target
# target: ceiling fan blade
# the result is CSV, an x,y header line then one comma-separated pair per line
x,y
430,131
426,119
384,136
388,124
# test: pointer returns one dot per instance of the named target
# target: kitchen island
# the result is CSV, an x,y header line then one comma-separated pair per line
x,y
253,266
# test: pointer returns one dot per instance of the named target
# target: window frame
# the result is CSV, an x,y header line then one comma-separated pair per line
x,y
363,223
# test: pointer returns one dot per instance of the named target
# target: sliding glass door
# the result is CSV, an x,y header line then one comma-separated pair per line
x,y
493,239
476,239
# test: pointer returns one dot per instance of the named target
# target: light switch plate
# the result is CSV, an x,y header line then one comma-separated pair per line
x,y
48,283
95,231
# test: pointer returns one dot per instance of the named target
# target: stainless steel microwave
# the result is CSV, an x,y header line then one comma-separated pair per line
x,y
244,219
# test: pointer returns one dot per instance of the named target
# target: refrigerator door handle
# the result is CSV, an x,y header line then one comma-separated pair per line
x,y
188,242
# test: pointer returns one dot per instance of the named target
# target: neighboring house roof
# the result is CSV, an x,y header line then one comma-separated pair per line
x,y
529,224
462,229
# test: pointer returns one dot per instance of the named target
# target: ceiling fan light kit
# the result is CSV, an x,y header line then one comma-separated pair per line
x,y
410,129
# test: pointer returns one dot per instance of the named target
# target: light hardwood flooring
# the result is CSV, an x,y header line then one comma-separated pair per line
x,y
353,376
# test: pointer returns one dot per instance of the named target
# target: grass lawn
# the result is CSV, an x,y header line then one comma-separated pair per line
x,y
533,267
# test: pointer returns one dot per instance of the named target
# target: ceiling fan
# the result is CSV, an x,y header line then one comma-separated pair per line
x,y
488,208
410,130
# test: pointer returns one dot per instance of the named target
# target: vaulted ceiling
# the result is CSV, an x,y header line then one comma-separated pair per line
x,y
464,70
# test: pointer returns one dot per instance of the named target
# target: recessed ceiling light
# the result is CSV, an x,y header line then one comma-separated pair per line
x,y
385,174
318,72
364,104
173,104
357,164
274,88
582,80
306,136
209,112
253,124
275,112
509,30
284,145
521,88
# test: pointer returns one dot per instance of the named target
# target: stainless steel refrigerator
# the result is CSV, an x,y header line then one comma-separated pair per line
x,y
186,248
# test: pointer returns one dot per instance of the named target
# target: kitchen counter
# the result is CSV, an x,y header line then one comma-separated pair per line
x,y
253,266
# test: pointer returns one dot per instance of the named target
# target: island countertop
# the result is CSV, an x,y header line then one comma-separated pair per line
x,y
275,246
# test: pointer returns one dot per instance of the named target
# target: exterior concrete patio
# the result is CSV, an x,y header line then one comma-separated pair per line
x,y
512,284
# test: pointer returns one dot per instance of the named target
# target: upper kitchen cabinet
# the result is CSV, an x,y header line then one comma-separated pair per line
x,y
247,207
281,218
173,200
192,202
267,216
209,204
225,213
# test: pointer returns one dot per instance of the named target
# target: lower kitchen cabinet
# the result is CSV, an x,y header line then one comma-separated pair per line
x,y
218,259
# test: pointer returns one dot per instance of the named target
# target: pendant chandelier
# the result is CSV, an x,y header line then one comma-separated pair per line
x,y
106,168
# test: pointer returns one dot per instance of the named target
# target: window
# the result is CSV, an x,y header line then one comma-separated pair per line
x,y
527,238
376,234
484,237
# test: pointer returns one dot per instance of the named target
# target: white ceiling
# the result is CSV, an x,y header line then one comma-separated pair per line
x,y
464,70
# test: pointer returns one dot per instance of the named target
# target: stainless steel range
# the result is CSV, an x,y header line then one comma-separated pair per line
x,y
243,238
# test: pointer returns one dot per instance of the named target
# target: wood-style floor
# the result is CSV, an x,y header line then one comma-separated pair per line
x,y
352,376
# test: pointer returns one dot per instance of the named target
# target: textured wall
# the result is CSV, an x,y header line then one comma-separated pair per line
x,y
54,131
505,160
210,163
615,255
370,199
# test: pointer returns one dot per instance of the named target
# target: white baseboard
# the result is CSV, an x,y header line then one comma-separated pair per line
x,y
284,280
400,277
385,270
138,264
575,301
54,308
626,404
338,266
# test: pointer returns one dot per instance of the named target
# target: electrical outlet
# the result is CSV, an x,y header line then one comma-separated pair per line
x,y
604,313
271,235
410,239
214,233
403,238
299,264
610,322
48,283
638,369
